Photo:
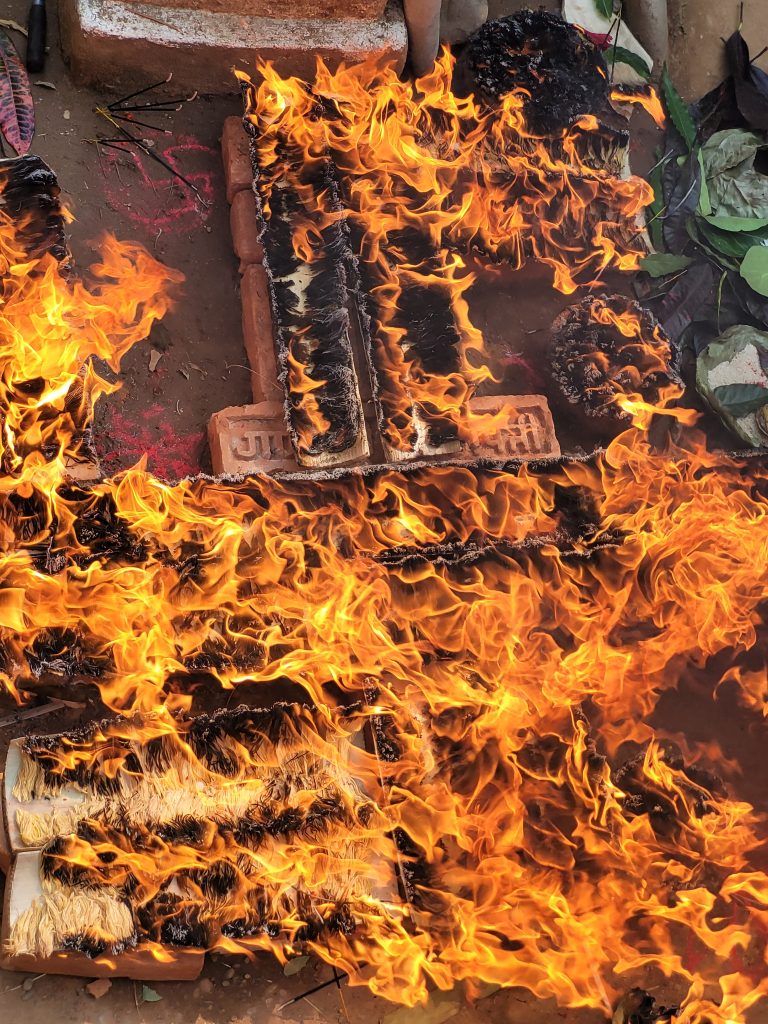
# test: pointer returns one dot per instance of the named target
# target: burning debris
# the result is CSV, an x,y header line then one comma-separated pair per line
x,y
607,352
397,182
514,629
556,68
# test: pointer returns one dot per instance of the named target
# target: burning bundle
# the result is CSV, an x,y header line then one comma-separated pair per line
x,y
608,351
29,200
242,829
558,70
307,256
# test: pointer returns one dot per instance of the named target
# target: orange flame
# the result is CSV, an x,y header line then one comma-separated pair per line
x,y
510,682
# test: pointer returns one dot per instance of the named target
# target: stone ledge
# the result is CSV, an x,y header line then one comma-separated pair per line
x,y
118,44
303,9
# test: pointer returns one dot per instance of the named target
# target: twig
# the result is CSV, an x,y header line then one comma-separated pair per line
x,y
140,92
337,977
27,713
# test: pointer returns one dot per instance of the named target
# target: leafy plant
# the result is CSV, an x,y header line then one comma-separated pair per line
x,y
677,110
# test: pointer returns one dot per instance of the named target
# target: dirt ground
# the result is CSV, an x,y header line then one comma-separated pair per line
x,y
163,415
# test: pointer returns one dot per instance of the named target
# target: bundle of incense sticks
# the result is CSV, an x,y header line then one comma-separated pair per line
x,y
242,828
308,259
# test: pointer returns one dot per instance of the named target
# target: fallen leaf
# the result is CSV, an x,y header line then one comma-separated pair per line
x,y
154,359
441,1007
148,995
193,366
45,85
98,988
17,110
295,965
14,26
184,372
735,187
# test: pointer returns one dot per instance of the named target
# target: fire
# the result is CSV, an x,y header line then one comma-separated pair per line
x,y
507,664
424,173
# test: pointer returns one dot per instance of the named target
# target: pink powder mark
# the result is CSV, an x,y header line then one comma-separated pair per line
x,y
166,201
170,454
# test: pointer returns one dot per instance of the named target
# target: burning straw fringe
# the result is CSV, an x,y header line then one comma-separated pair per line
x,y
57,918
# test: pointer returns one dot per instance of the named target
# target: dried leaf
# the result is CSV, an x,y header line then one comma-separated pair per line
x,y
17,111
45,85
14,26
148,995
98,988
682,185
677,110
750,84
735,187
686,297
295,966
659,264
754,269
441,1007
154,359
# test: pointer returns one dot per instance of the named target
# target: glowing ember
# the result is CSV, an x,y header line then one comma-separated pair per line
x,y
503,686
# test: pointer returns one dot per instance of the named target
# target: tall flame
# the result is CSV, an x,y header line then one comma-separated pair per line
x,y
512,685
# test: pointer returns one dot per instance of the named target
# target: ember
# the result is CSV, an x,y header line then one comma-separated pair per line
x,y
506,632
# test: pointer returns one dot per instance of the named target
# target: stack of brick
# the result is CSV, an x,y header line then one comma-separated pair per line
x,y
119,43
250,438
254,438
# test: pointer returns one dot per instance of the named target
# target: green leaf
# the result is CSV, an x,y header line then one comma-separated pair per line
x,y
148,995
737,223
735,244
677,110
740,399
736,189
754,269
621,55
705,205
294,966
659,264
604,8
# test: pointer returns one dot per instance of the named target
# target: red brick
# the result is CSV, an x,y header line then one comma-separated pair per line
x,y
244,224
250,439
528,435
238,171
257,335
